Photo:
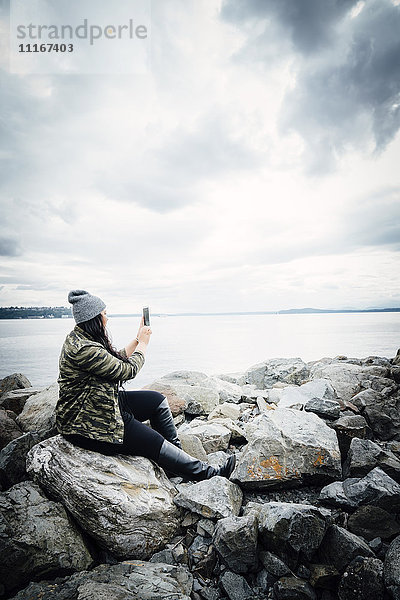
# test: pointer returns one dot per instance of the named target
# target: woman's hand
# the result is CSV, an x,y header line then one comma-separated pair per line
x,y
144,334
140,327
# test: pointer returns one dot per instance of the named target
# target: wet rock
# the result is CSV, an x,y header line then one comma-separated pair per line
x,y
391,568
123,581
235,539
39,412
371,522
363,578
339,547
15,381
124,502
236,587
287,370
365,455
213,498
291,530
376,488
13,459
293,588
213,436
286,448
36,537
9,430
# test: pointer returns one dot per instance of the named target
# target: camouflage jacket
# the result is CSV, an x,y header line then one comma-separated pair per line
x,y
88,383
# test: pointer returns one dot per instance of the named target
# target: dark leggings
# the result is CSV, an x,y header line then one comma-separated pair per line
x,y
139,439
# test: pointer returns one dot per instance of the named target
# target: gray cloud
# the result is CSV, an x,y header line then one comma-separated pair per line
x,y
9,247
347,71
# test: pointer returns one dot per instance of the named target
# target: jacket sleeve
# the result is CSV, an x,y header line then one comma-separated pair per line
x,y
98,361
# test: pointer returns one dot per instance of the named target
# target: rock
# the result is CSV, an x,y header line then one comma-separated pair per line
x,y
291,530
123,502
9,430
200,392
371,522
324,576
363,578
237,433
226,409
382,412
347,428
365,455
229,392
15,381
15,399
192,444
39,412
200,400
236,587
391,568
235,539
273,564
13,459
213,436
293,588
212,498
202,556
123,581
237,377
287,447
37,538
287,370
339,547
205,527
250,394
217,459
176,402
376,488
327,409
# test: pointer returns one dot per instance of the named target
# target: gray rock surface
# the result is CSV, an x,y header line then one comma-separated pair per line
x,y
363,578
285,447
371,522
288,529
13,459
38,413
376,488
13,382
286,370
235,539
15,399
391,568
213,498
36,537
327,409
213,436
9,429
339,547
130,580
382,410
365,455
123,502
293,588
236,587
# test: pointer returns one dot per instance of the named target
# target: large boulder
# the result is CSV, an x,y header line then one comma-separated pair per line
x,y
381,410
123,581
213,436
287,447
286,370
339,547
363,578
365,455
391,568
123,502
212,498
13,459
371,522
37,538
39,412
15,399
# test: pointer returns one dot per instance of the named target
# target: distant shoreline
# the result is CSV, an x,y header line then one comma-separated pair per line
x,y
64,313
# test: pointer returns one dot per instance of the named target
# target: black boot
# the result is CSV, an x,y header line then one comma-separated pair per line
x,y
177,461
163,422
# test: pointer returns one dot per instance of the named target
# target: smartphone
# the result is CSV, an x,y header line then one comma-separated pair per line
x,y
146,316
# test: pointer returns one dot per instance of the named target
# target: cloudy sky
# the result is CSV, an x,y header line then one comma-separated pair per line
x,y
255,166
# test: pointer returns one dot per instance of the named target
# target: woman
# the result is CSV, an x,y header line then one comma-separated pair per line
x,y
92,413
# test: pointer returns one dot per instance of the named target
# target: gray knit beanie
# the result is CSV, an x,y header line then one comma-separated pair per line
x,y
84,305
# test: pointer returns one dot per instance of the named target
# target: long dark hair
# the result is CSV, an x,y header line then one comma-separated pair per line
x,y
95,328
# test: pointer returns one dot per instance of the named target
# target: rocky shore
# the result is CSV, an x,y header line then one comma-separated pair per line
x,y
311,511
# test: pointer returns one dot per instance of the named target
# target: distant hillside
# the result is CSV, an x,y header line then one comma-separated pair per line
x,y
34,312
